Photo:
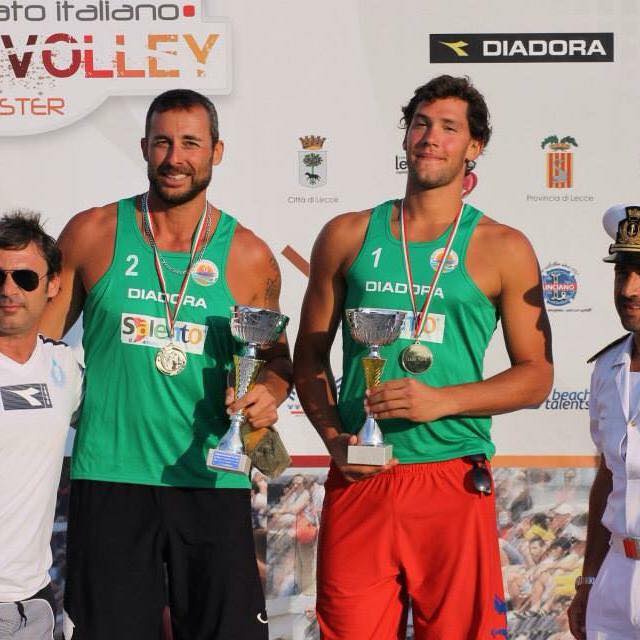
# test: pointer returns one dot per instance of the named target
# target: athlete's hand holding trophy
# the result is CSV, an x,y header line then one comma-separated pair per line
x,y
373,328
253,327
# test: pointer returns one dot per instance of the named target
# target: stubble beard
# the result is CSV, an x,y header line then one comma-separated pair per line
x,y
426,182
196,188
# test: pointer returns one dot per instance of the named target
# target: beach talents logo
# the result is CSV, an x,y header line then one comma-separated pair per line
x,y
205,273
312,162
559,161
559,284
60,60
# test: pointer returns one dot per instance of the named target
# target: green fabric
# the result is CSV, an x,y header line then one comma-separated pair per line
x,y
138,425
377,278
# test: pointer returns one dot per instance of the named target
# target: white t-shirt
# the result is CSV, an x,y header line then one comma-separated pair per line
x,y
37,403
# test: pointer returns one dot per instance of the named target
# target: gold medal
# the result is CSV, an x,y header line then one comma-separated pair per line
x,y
171,360
416,358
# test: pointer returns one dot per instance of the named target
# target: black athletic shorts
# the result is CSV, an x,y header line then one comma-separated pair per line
x,y
121,537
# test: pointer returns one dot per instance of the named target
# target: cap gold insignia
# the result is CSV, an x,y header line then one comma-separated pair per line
x,y
628,236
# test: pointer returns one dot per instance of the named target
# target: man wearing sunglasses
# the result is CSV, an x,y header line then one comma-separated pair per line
x,y
156,276
607,601
40,389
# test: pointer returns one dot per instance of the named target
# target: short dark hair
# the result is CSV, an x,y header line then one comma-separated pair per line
x,y
19,228
184,99
450,87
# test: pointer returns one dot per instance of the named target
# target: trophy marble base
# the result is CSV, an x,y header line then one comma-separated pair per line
x,y
229,461
374,456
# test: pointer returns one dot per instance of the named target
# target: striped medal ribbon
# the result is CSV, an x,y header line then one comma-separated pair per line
x,y
171,359
417,357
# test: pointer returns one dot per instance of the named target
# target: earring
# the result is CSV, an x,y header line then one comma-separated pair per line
x,y
470,165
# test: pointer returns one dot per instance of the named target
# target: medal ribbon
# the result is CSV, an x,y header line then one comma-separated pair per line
x,y
420,318
171,317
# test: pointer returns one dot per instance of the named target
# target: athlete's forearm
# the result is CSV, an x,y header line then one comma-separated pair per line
x,y
598,535
523,385
318,394
277,376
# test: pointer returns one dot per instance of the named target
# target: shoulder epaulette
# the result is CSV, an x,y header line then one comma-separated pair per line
x,y
46,340
611,344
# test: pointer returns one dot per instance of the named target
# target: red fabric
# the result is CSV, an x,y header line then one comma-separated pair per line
x,y
418,532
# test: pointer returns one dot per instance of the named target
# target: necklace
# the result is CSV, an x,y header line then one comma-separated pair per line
x,y
152,241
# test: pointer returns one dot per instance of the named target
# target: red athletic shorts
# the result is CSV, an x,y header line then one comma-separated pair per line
x,y
418,535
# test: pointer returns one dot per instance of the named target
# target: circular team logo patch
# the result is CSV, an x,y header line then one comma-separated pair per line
x,y
450,264
205,273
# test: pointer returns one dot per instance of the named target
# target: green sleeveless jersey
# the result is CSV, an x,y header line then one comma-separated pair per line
x,y
138,425
460,324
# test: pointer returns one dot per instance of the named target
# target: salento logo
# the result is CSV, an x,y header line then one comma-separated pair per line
x,y
148,331
559,284
205,273
559,161
520,47
450,264
60,60
312,162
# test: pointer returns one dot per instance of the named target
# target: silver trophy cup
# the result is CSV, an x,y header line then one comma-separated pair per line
x,y
373,328
253,327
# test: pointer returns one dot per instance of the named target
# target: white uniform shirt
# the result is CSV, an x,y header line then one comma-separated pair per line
x,y
37,401
615,430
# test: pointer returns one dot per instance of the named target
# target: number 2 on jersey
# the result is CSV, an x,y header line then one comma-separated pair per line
x,y
133,260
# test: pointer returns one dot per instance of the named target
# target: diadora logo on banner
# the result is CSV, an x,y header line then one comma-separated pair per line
x,y
148,331
312,162
559,284
564,400
559,161
520,47
62,59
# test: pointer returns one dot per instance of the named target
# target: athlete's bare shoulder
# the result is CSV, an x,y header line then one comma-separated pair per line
x,y
253,275
249,248
495,236
88,230
341,238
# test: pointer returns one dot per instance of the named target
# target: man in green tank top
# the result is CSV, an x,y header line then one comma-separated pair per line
x,y
156,276
420,530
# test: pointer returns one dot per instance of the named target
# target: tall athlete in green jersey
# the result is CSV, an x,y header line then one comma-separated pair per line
x,y
157,274
420,529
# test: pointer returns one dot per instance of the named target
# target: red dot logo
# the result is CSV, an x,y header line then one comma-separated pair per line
x,y
189,10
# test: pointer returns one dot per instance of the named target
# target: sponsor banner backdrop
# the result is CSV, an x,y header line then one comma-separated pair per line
x,y
298,105
309,107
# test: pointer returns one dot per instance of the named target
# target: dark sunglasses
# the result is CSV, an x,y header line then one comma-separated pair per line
x,y
480,475
26,279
